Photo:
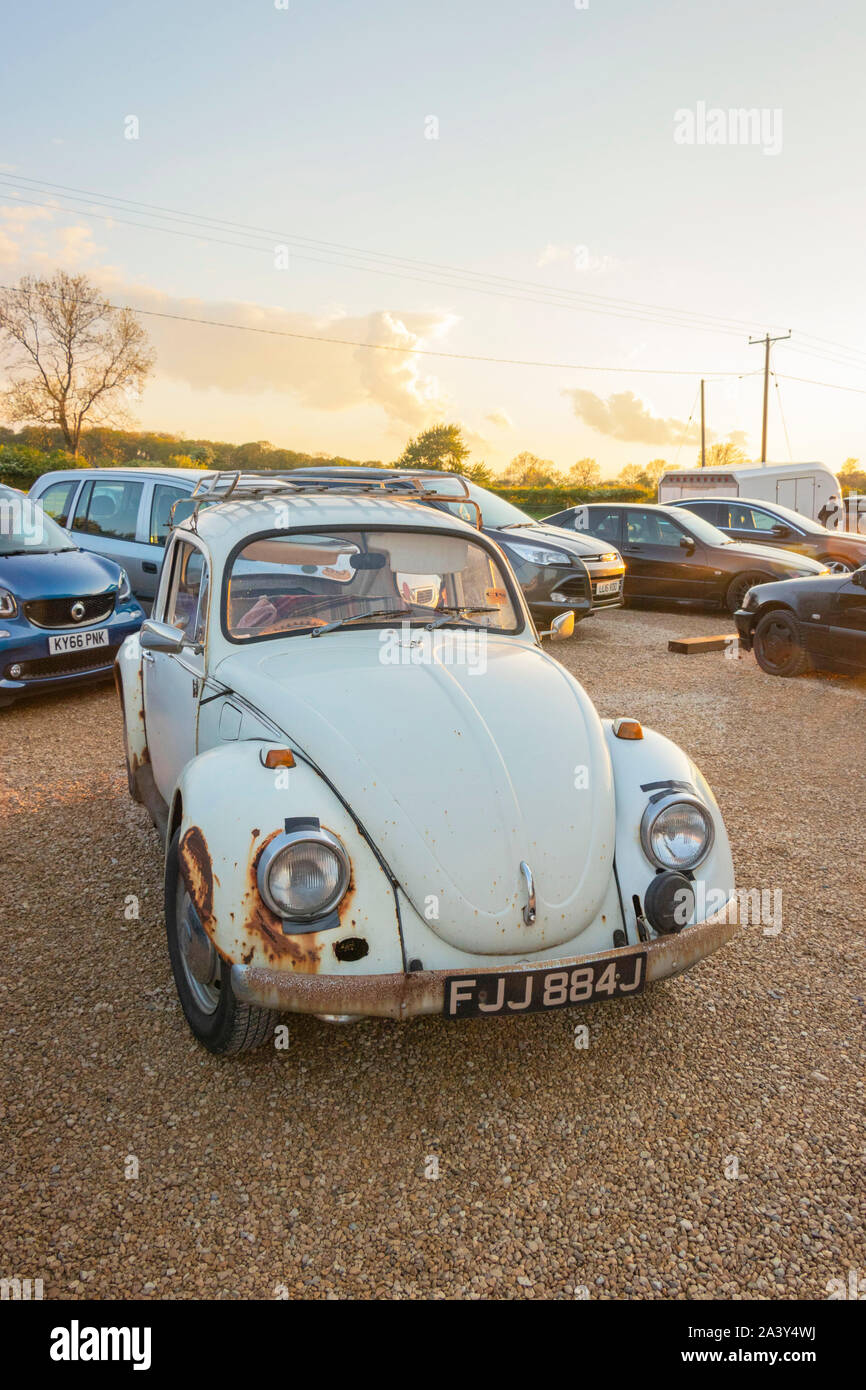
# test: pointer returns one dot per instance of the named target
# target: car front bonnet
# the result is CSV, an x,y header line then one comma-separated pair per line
x,y
402,996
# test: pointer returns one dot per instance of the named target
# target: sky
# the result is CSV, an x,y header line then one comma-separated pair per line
x,y
538,183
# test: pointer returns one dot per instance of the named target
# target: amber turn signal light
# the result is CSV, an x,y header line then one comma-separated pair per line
x,y
627,728
280,757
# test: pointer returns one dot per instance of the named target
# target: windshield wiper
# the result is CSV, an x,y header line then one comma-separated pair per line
x,y
360,618
518,525
450,615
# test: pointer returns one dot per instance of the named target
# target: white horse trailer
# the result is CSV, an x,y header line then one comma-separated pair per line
x,y
807,488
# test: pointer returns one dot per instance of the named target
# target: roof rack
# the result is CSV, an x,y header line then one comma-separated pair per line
x,y
253,486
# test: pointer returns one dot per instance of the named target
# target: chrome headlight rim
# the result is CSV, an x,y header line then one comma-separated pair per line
x,y
287,840
655,809
8,604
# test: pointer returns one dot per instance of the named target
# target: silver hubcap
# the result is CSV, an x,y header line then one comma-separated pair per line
x,y
199,959
839,567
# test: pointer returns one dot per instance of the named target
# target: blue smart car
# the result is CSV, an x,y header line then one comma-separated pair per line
x,y
63,612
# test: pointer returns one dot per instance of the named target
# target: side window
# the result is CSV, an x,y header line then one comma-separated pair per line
x,y
715,512
602,523
186,606
763,521
741,518
164,497
55,500
652,528
641,528
109,508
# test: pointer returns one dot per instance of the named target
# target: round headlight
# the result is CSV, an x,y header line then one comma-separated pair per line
x,y
304,875
676,832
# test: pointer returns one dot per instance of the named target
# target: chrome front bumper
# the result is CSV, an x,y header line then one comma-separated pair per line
x,y
402,996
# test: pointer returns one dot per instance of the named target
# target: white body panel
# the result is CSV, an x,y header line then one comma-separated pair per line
x,y
439,779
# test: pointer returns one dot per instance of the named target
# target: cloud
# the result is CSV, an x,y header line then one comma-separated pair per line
x,y
317,375
553,253
625,416
500,418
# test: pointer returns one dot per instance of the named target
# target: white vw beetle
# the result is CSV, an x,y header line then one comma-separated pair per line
x,y
379,795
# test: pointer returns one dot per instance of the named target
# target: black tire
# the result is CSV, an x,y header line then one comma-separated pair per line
x,y
778,644
739,586
231,1027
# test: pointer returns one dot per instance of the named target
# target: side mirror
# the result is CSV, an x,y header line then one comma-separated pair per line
x,y
859,577
159,637
780,530
561,627
686,543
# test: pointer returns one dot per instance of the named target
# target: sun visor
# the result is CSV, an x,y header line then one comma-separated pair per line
x,y
417,553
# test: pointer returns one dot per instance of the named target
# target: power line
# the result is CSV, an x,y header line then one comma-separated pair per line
x,y
584,298
396,347
481,282
831,385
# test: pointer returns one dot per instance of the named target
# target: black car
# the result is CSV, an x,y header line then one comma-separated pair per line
x,y
767,523
556,572
814,623
677,556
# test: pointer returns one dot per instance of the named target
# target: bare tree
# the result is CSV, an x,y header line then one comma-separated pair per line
x,y
585,473
72,357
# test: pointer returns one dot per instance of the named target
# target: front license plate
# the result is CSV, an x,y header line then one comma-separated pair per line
x,y
608,586
78,641
469,996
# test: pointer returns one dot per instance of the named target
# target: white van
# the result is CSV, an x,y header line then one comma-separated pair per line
x,y
807,488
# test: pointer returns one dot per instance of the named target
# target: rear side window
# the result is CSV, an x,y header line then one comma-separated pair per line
x,y
109,508
55,500
716,512
164,497
602,522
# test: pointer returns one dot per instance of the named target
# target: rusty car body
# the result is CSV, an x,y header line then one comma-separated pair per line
x,y
379,795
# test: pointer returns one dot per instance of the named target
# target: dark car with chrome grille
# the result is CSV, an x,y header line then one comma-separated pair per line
x,y
63,612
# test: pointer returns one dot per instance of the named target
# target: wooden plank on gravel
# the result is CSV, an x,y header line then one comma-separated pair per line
x,y
692,646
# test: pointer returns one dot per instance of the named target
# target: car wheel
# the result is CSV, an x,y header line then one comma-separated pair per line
x,y
740,585
837,565
202,978
778,644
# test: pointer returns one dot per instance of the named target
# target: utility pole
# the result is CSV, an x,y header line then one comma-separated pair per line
x,y
703,429
766,340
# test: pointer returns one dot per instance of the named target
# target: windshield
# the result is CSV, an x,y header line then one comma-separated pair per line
x,y
495,511
25,529
297,583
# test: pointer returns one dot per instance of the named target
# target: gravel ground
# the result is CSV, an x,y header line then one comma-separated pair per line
x,y
561,1171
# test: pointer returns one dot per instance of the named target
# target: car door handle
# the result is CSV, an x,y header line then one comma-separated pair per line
x,y
148,566
147,656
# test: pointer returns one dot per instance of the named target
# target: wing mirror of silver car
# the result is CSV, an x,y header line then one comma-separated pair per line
x,y
561,627
160,637
859,577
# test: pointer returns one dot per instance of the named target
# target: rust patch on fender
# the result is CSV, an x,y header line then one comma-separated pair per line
x,y
195,866
263,929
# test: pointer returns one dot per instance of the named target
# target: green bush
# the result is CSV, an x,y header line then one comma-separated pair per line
x,y
546,500
22,464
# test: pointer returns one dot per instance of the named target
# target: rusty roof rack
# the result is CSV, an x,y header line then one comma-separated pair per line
x,y
255,485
